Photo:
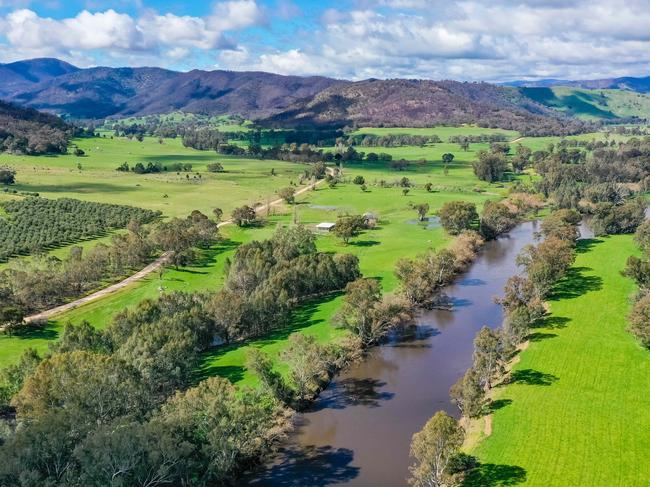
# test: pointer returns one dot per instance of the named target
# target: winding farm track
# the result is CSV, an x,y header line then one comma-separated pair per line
x,y
154,266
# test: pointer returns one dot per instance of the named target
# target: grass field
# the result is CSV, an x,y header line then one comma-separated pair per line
x,y
441,131
245,180
378,250
577,413
592,104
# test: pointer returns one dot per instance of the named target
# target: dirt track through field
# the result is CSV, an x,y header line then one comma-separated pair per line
x,y
154,266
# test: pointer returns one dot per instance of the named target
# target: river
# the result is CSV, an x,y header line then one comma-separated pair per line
x,y
359,430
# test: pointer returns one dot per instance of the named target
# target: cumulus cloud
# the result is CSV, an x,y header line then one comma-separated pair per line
x,y
110,32
473,39
465,39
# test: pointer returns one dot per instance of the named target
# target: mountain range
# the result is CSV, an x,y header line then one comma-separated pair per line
x,y
270,99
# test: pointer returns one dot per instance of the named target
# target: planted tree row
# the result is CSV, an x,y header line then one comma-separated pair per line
x,y
36,223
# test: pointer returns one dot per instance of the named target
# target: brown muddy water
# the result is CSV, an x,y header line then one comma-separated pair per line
x,y
359,430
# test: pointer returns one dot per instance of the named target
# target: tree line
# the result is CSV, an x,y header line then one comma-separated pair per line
x,y
44,282
638,268
436,448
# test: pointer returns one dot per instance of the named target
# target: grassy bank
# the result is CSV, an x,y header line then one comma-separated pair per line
x,y
578,410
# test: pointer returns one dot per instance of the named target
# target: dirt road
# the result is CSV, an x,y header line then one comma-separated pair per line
x,y
154,266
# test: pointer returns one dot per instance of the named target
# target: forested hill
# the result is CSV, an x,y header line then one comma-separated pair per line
x,y
101,92
277,100
412,103
28,131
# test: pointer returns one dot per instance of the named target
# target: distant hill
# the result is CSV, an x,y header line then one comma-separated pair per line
x,y
101,92
27,131
21,75
395,103
276,100
642,85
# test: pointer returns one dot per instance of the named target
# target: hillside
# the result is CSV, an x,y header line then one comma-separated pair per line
x,y
27,131
592,104
422,103
294,101
22,75
641,84
101,92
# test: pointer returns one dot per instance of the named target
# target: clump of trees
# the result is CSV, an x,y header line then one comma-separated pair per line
x,y
310,366
597,180
457,216
423,278
215,167
7,175
349,226
497,218
154,167
490,166
368,314
436,449
244,216
610,218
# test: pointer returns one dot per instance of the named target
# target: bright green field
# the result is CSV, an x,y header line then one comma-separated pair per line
x,y
245,181
592,104
443,132
378,250
578,413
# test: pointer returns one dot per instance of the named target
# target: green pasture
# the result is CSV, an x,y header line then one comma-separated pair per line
x,y
593,104
577,411
246,181
444,132
397,235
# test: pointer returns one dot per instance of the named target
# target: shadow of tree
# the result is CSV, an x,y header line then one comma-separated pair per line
x,y
553,322
575,284
309,465
585,245
532,377
493,475
353,392
411,337
498,404
364,243
34,332
539,336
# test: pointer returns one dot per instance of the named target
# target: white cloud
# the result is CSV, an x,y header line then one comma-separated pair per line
x,y
467,39
473,39
110,33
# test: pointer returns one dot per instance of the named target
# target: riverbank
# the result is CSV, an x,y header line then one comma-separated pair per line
x,y
358,431
574,413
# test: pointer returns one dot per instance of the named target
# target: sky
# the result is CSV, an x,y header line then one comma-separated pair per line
x,y
493,40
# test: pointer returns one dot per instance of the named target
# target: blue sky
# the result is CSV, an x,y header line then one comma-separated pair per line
x,y
491,40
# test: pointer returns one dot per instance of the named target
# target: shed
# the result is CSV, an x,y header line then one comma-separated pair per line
x,y
325,226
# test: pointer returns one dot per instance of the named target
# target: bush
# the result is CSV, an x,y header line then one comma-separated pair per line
x,y
639,319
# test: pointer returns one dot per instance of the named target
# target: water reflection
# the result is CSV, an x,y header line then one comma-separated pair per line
x,y
366,418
